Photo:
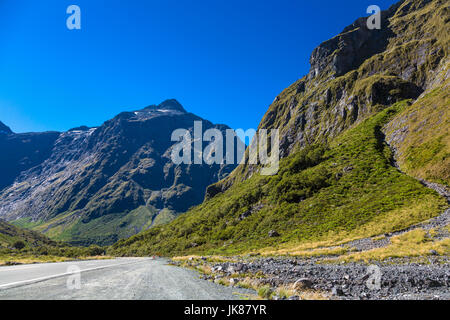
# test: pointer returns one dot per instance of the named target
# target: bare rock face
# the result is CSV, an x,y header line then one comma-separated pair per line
x,y
350,48
88,173
362,68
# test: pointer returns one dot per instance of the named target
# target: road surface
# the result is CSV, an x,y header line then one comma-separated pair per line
x,y
116,279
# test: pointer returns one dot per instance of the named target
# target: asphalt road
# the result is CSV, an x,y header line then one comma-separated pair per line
x,y
117,279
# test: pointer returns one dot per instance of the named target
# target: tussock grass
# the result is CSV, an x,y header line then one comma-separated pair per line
x,y
287,291
411,244
213,259
396,220
334,251
265,292
31,259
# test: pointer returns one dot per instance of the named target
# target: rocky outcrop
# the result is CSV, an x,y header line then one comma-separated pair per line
x,y
359,69
348,50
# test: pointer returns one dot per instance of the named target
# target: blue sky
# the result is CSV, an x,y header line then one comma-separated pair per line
x,y
224,60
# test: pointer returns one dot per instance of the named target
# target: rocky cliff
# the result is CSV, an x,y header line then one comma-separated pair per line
x,y
358,73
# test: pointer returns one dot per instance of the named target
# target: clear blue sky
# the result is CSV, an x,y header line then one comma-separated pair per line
x,y
224,60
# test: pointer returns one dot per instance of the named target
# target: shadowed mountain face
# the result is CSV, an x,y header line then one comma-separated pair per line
x,y
20,152
4,129
100,184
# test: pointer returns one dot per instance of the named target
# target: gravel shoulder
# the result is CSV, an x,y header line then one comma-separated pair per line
x,y
349,281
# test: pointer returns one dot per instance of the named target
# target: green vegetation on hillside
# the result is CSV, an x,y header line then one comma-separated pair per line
x,y
421,135
19,245
320,191
10,235
104,230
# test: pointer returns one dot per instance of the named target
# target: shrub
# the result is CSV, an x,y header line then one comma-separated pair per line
x,y
265,292
19,245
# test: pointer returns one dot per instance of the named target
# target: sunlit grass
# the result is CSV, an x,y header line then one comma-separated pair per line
x,y
414,243
30,259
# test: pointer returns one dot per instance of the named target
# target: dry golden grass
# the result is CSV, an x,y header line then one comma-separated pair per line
x,y
392,221
333,251
381,237
411,244
5,260
31,259
217,259
287,291
205,269
96,258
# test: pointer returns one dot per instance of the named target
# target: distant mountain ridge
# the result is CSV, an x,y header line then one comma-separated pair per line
x,y
4,129
97,185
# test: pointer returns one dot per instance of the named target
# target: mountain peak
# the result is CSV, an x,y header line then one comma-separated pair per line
x,y
4,128
170,104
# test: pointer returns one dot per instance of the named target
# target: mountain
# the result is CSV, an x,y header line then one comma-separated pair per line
x,y
4,129
362,137
22,152
97,185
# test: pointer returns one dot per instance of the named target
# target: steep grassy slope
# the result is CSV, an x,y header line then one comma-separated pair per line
x,y
337,181
420,134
